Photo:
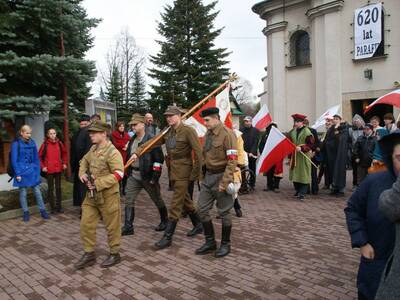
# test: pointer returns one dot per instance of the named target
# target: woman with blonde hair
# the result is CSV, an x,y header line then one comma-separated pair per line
x,y
26,165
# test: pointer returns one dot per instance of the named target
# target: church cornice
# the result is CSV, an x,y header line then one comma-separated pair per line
x,y
325,9
269,7
275,27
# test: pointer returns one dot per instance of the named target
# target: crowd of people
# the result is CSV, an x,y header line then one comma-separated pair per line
x,y
98,159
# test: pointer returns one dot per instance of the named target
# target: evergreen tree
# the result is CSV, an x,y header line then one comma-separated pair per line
x,y
30,34
137,95
114,91
188,65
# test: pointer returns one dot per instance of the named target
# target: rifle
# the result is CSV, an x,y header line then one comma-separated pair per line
x,y
91,180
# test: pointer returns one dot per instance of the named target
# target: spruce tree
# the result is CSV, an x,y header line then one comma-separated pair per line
x,y
188,66
137,95
114,92
30,59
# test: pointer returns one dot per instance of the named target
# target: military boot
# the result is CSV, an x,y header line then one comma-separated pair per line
x,y
197,227
163,219
166,240
88,259
129,218
225,247
210,244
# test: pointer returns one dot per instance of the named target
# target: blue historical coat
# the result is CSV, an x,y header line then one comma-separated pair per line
x,y
366,224
25,161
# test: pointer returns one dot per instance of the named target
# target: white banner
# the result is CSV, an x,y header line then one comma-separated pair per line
x,y
367,30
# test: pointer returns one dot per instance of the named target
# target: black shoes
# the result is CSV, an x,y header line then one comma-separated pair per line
x,y
164,219
197,227
225,247
166,240
129,218
210,244
111,260
88,259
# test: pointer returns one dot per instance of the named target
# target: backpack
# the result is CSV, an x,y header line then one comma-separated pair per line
x,y
10,169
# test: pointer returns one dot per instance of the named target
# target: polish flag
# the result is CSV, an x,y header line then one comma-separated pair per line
x,y
276,148
263,118
392,98
222,102
334,110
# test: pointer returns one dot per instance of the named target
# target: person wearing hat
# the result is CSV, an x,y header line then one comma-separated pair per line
x,y
363,152
101,169
371,229
144,173
220,161
250,138
181,141
300,166
80,145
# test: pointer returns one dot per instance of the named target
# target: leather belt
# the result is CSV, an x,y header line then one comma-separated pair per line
x,y
216,171
135,169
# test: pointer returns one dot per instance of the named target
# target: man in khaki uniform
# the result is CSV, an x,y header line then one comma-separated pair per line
x,y
101,169
220,159
180,141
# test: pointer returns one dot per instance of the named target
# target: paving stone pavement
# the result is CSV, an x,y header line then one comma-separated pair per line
x,y
281,249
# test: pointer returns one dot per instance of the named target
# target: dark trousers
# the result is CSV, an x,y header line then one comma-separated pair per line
x,y
252,166
54,180
79,191
354,167
301,188
314,180
272,180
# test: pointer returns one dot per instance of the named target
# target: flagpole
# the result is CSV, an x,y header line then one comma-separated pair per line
x,y
303,154
154,140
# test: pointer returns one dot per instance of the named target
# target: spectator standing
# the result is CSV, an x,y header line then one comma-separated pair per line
x,y
369,229
363,152
151,128
120,139
53,161
355,131
375,122
250,136
80,145
26,165
390,125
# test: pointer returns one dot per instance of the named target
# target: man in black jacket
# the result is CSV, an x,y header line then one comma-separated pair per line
x,y
363,152
144,173
250,138
80,145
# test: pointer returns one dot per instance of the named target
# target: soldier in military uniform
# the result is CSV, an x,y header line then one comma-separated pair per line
x,y
220,159
180,141
101,169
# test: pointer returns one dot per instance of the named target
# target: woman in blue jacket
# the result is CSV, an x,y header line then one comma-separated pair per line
x,y
26,165
369,229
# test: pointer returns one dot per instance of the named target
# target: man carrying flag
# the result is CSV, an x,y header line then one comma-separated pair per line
x,y
300,166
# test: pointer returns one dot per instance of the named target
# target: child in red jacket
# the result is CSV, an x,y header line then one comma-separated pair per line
x,y
53,161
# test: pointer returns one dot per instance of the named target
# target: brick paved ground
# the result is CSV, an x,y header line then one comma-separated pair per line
x,y
282,249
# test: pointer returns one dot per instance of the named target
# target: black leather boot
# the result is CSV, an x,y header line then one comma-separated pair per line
x,y
88,259
225,247
129,218
166,240
164,219
197,227
237,208
111,260
210,244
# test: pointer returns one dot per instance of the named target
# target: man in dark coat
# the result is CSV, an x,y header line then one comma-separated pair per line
x,y
316,159
363,152
369,229
80,145
250,138
336,148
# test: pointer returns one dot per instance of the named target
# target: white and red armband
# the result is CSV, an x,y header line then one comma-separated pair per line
x,y
231,154
118,175
157,167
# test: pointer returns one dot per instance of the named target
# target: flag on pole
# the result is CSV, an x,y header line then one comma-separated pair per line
x,y
334,110
263,118
392,98
222,102
276,148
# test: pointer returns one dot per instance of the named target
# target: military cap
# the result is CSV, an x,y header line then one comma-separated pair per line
x,y
84,117
173,110
299,117
99,126
136,118
209,111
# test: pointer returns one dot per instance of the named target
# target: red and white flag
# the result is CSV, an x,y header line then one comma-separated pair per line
x,y
334,110
392,98
263,118
276,148
222,102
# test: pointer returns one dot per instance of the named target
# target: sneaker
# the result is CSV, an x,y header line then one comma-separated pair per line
x,y
44,214
26,216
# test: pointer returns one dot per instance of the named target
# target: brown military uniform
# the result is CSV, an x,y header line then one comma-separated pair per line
x,y
220,158
105,164
180,143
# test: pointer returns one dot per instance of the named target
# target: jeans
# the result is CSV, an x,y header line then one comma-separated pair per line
x,y
38,196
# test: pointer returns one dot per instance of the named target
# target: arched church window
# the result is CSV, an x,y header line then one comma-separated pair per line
x,y
300,48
